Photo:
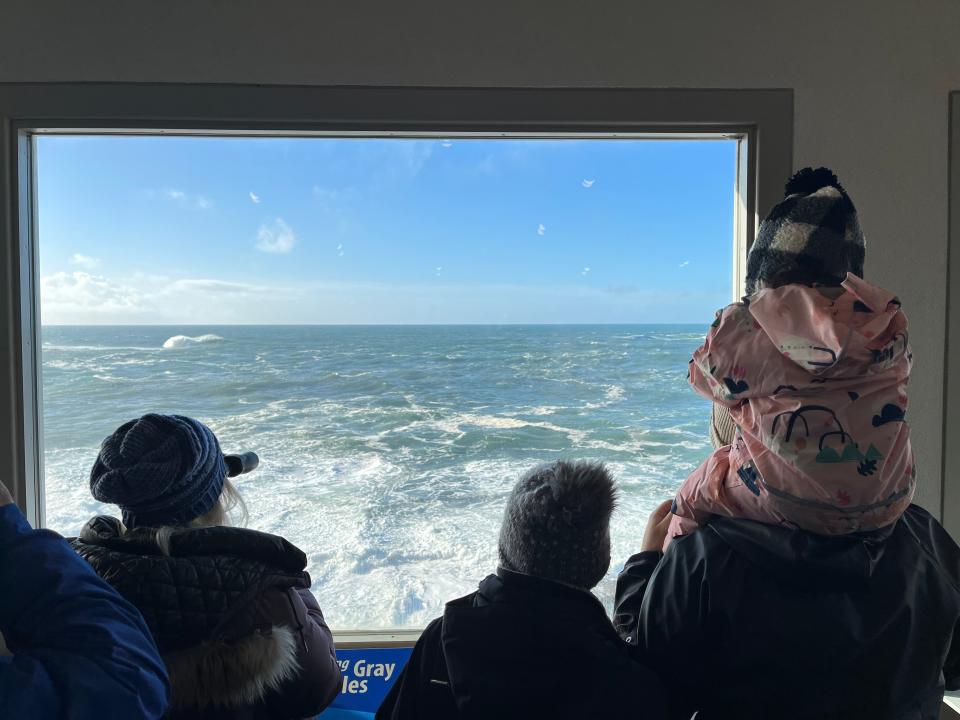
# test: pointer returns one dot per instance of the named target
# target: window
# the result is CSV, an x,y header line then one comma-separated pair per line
x,y
398,327
62,245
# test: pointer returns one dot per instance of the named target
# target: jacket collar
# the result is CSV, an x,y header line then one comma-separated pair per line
x,y
800,557
262,547
549,596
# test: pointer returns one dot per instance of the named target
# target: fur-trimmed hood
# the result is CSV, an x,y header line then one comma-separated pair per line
x,y
203,597
223,674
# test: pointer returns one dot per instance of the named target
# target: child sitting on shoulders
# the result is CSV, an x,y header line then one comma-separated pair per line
x,y
813,366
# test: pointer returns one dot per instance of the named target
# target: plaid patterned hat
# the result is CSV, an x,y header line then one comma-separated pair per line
x,y
812,237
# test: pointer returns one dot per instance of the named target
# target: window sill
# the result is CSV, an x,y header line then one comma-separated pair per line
x,y
376,638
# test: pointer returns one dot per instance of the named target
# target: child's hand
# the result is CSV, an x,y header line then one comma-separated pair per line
x,y
5,498
657,525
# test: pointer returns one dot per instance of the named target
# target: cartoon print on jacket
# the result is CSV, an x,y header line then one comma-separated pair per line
x,y
816,382
850,452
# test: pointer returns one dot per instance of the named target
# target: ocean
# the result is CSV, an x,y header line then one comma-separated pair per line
x,y
386,452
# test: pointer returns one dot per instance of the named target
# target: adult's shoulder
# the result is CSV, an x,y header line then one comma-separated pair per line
x,y
919,526
726,544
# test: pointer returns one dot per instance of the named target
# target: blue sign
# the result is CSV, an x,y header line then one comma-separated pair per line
x,y
368,675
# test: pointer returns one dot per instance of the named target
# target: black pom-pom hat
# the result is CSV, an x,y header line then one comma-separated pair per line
x,y
812,237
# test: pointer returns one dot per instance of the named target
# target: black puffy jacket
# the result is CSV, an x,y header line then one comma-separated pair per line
x,y
748,621
232,615
523,647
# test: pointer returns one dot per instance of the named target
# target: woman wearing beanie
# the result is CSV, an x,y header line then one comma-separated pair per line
x,y
230,608
533,641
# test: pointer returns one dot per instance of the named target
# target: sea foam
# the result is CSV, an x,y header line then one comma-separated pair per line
x,y
181,341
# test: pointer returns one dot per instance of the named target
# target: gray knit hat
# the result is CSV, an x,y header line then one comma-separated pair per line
x,y
557,523
812,237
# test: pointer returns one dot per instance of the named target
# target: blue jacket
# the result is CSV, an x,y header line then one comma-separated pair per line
x,y
79,649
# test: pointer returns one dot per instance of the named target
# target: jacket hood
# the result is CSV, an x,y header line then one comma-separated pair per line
x,y
551,644
802,558
204,588
194,542
822,331
198,595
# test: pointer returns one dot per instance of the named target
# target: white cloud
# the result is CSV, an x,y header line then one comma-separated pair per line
x,y
85,261
446,144
277,239
587,183
684,263
254,198
142,298
542,229
197,202
65,296
84,298
218,287
439,270
340,250
585,271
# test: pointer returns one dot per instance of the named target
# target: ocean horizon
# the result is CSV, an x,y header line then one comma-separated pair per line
x,y
387,450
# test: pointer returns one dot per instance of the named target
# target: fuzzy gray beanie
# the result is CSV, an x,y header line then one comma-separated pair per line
x,y
557,523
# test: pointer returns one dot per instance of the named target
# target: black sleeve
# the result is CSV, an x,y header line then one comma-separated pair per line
x,y
631,586
672,627
404,700
951,668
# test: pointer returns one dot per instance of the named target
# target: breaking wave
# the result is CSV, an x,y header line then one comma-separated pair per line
x,y
182,341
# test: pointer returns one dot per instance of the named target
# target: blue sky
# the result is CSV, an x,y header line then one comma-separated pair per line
x,y
212,230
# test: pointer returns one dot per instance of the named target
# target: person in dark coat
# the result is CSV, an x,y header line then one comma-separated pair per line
x,y
230,608
532,641
746,620
75,648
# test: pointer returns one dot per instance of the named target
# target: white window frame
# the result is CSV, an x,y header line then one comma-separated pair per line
x,y
760,120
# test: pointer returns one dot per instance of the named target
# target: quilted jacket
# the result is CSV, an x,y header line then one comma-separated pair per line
x,y
232,615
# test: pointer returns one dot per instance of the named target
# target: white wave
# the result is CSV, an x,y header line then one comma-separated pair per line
x,y
612,394
499,422
90,348
182,341
62,365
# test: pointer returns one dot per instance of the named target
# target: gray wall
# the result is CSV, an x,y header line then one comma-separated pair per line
x,y
871,83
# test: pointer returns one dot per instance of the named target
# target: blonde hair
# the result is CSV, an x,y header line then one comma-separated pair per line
x,y
230,509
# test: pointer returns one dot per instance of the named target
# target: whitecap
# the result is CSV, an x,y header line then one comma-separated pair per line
x,y
181,341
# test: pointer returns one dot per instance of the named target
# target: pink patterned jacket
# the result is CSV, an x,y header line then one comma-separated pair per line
x,y
818,390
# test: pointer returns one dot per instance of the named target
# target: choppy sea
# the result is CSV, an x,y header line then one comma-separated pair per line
x,y
387,451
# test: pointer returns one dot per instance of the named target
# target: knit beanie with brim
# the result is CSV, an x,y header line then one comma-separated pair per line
x,y
160,470
812,237
557,523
